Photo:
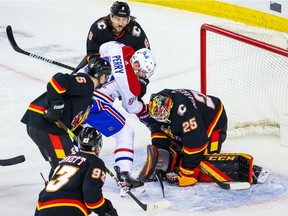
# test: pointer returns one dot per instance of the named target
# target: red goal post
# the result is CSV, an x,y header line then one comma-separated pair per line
x,y
247,68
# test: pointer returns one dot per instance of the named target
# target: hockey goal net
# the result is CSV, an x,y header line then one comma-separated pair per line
x,y
247,68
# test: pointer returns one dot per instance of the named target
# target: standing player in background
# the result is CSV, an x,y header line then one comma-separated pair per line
x,y
118,26
76,185
68,98
127,65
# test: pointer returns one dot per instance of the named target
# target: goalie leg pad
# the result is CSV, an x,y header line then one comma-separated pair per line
x,y
163,160
150,164
157,159
237,166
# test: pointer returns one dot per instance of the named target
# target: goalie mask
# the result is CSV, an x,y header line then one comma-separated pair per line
x,y
160,107
146,61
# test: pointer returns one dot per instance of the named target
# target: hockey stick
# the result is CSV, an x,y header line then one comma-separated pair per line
x,y
70,133
12,161
145,207
15,46
224,185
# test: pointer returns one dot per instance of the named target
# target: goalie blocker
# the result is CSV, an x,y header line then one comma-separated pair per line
x,y
225,167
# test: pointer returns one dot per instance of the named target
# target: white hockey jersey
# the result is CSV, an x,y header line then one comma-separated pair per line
x,y
123,82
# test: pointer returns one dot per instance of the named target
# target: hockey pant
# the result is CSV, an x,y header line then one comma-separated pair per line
x,y
110,122
218,135
52,147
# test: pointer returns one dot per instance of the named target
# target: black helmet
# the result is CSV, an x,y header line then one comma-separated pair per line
x,y
89,139
99,66
120,9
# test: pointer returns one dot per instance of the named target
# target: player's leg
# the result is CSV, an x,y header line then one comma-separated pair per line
x,y
218,135
52,147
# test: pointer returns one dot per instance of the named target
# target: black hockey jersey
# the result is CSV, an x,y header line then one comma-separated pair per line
x,y
193,118
101,32
75,91
75,187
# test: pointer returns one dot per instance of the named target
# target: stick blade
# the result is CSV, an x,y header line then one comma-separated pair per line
x,y
239,185
11,38
158,205
12,161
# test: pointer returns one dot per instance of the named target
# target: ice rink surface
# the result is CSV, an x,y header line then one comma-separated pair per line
x,y
58,30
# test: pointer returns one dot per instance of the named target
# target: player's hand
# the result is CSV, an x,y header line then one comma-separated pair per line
x,y
144,82
144,116
54,112
111,211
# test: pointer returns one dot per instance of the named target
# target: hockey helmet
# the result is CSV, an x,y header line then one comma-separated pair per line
x,y
146,61
89,139
120,9
99,66
160,107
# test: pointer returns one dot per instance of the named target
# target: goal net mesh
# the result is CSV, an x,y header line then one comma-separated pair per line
x,y
250,79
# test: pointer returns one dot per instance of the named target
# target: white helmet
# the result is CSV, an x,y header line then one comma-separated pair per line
x,y
146,60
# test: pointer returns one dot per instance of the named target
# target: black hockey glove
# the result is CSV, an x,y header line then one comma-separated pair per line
x,y
144,82
111,211
54,112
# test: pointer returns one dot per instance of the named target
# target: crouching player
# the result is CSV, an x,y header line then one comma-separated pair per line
x,y
76,185
188,128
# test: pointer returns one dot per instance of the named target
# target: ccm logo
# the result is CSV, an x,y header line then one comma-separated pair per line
x,y
58,106
221,158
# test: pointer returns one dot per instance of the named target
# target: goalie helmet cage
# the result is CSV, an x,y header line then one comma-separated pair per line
x,y
247,68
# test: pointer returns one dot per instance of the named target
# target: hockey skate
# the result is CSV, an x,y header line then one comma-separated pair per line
x,y
260,174
126,181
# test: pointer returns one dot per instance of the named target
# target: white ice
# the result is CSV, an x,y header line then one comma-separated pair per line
x,y
58,30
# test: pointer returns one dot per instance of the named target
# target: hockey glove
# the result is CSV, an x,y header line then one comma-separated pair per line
x,y
111,211
144,116
54,112
144,82
187,177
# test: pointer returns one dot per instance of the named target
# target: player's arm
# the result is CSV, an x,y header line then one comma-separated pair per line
x,y
92,190
57,86
92,44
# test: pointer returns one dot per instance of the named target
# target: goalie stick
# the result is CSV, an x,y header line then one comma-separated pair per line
x,y
12,161
145,207
15,46
225,185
